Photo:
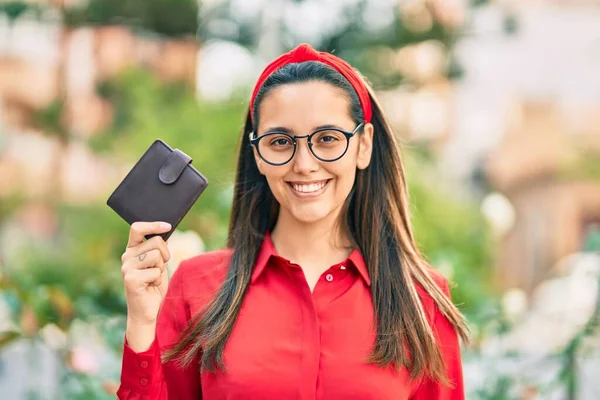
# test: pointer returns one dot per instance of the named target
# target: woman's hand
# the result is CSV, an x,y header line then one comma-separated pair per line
x,y
146,280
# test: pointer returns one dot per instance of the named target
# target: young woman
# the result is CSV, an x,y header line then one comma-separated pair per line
x,y
322,293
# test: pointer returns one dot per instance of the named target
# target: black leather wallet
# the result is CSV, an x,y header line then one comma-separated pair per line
x,y
161,186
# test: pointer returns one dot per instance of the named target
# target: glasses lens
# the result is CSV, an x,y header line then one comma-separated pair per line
x,y
329,145
276,148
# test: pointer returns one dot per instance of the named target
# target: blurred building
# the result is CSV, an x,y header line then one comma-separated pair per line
x,y
544,166
521,121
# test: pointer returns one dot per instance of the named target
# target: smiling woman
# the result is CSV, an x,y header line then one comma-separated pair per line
x,y
322,292
320,140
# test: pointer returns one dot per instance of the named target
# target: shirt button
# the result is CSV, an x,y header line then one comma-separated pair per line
x,y
144,364
144,382
329,277
342,267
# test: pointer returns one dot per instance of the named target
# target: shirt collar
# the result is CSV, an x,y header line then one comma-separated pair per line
x,y
267,250
360,264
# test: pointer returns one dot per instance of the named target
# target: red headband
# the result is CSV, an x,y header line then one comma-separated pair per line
x,y
305,52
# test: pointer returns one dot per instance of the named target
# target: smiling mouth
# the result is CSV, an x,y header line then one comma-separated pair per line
x,y
312,187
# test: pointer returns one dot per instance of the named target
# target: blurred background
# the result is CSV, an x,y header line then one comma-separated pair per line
x,y
496,103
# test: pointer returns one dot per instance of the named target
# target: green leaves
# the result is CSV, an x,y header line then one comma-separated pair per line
x,y
14,9
168,17
208,132
453,235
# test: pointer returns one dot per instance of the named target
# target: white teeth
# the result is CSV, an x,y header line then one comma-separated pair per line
x,y
313,187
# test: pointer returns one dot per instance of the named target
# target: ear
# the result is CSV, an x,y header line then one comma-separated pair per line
x,y
257,159
365,147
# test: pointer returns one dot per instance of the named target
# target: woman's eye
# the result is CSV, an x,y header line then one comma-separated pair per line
x,y
328,139
280,142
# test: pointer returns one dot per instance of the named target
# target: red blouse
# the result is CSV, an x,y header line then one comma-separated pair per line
x,y
287,343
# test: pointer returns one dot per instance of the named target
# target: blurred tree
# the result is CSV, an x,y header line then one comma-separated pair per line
x,y
592,243
13,9
454,236
356,31
208,132
582,165
76,275
167,17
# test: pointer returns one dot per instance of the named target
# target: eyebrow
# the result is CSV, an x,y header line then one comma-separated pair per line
x,y
291,131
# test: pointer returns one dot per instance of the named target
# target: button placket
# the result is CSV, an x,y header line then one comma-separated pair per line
x,y
333,283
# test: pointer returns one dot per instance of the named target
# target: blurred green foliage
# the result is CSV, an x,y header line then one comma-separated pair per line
x,y
208,132
13,9
77,275
173,18
167,17
582,165
79,270
453,235
50,120
592,242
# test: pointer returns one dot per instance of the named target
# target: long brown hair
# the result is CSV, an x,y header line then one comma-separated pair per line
x,y
404,336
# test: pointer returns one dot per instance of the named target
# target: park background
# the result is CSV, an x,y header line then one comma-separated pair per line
x,y
496,104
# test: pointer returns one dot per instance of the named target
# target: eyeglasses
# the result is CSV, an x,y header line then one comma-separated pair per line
x,y
326,144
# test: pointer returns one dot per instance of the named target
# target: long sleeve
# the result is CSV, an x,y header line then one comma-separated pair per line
x,y
143,377
449,345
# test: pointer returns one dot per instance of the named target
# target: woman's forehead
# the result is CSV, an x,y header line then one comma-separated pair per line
x,y
304,104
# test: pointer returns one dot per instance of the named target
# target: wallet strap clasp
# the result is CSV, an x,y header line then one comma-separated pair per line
x,y
173,167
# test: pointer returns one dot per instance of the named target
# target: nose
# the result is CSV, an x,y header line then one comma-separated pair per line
x,y
304,161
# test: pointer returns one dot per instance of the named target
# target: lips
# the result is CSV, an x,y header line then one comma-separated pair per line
x,y
308,187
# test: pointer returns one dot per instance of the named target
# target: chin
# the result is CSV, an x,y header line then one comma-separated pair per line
x,y
311,214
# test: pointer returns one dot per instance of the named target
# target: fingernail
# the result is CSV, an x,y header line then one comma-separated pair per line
x,y
165,226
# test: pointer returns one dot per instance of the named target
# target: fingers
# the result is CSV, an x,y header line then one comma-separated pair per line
x,y
143,270
140,229
143,260
151,276
139,279
156,242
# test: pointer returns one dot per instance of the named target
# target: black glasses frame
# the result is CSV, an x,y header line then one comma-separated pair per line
x,y
255,140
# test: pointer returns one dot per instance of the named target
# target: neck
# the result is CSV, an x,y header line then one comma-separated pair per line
x,y
327,241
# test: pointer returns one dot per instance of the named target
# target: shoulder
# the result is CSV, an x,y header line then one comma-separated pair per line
x,y
210,261
203,274
440,280
427,300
